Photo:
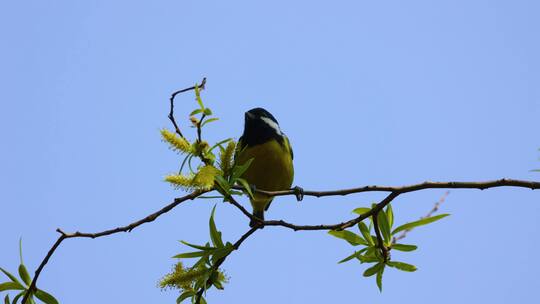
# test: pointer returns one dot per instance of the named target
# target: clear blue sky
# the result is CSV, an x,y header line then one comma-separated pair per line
x,y
369,92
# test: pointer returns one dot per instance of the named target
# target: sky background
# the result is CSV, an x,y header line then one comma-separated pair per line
x,y
369,92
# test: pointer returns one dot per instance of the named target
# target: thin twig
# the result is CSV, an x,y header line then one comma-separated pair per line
x,y
380,241
127,228
171,99
429,214
199,128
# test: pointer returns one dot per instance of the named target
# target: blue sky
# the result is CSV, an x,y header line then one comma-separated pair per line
x,y
369,92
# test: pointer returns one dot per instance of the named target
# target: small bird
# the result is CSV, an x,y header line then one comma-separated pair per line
x,y
272,166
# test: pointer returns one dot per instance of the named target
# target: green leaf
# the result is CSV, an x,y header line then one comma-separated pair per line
x,y
6,299
204,248
209,121
373,269
185,295
402,266
404,247
45,297
390,215
203,301
10,286
20,294
361,210
207,112
352,256
23,273
215,235
221,252
246,186
420,222
198,97
352,238
218,144
379,278
195,112
189,255
367,259
222,182
240,169
10,276
20,250
365,232
384,226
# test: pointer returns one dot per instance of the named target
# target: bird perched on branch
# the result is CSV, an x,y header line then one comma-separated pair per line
x,y
272,166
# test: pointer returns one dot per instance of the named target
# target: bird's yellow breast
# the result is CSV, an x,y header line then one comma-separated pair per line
x,y
271,169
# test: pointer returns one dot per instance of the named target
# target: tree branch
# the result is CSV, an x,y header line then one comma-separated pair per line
x,y
127,228
171,99
505,182
394,192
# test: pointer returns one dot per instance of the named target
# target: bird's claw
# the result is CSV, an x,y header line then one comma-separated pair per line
x,y
299,193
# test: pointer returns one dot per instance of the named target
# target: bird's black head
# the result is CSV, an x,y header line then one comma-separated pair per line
x,y
260,126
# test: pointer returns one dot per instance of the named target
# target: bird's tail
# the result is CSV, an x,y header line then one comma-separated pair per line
x,y
259,214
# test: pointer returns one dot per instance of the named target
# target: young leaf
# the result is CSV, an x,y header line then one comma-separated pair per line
x,y
209,121
215,235
365,232
352,256
204,248
221,252
402,266
239,170
198,97
23,273
223,183
421,222
361,210
352,238
207,112
189,255
384,226
373,269
390,215
404,247
246,186
45,297
185,295
197,111
20,294
367,259
10,286
10,276
379,278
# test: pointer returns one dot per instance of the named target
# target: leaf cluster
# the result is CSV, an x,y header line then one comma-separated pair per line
x,y
21,287
370,251
204,273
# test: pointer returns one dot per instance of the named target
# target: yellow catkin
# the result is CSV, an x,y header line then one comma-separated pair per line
x,y
181,277
226,158
204,179
180,181
176,142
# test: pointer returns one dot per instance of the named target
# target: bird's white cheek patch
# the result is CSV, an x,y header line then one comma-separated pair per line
x,y
272,124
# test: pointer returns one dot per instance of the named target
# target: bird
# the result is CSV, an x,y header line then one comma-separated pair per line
x,y
272,166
